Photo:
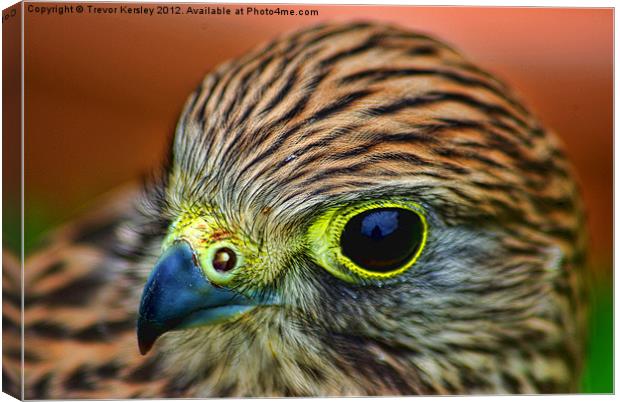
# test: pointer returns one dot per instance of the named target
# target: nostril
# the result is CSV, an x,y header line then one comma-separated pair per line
x,y
224,259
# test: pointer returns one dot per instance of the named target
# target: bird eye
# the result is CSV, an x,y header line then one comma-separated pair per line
x,y
382,240
375,240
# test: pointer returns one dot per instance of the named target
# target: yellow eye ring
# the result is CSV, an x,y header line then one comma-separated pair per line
x,y
325,237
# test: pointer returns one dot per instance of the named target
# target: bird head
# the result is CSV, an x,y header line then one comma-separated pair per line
x,y
356,209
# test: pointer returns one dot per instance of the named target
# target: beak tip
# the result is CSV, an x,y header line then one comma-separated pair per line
x,y
147,335
144,349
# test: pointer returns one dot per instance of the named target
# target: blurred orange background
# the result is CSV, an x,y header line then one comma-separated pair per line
x,y
102,92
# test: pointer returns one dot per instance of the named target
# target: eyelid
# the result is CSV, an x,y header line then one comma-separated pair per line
x,y
324,235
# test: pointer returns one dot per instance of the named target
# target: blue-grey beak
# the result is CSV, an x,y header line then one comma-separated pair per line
x,y
178,295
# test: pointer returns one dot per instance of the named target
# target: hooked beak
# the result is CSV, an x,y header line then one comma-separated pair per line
x,y
178,295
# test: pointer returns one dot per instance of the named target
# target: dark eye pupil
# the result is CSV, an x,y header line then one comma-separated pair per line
x,y
383,239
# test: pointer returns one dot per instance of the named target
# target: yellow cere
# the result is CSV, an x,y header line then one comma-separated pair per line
x,y
324,239
206,235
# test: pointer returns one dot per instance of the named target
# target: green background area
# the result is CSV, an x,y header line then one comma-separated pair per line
x,y
598,374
